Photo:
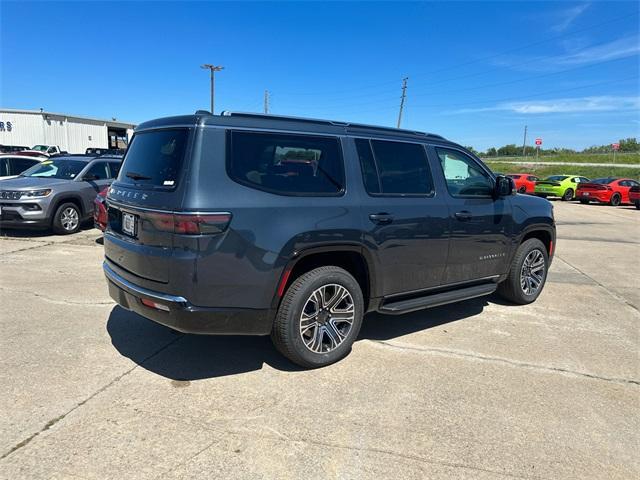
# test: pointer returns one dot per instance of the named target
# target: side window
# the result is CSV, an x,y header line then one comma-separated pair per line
x,y
368,164
394,168
4,167
576,180
633,183
19,165
115,169
100,170
463,175
286,164
532,178
584,180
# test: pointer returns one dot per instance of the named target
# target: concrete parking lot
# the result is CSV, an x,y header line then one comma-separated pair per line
x,y
479,389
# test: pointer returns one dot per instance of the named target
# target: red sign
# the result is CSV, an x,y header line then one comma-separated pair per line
x,y
615,146
538,141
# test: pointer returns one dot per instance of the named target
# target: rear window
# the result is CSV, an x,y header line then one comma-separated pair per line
x,y
394,168
556,178
603,181
515,177
155,158
286,164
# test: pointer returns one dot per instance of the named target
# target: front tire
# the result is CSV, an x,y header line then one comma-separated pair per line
x,y
615,200
319,317
522,190
528,273
638,204
66,220
568,194
584,201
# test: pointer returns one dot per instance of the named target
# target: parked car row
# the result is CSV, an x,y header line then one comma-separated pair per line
x,y
56,192
610,190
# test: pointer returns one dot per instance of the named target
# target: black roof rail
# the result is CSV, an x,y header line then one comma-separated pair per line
x,y
326,122
203,112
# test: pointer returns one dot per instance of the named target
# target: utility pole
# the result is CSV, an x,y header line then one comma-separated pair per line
x,y
404,95
524,142
266,101
212,69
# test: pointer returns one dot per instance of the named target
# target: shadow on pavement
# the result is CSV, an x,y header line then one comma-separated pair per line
x,y
194,357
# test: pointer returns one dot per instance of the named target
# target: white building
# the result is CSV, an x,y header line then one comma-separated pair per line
x,y
70,132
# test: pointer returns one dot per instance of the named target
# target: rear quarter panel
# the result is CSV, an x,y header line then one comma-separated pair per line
x,y
242,267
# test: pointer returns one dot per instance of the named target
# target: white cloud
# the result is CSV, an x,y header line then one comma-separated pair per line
x,y
621,48
569,15
563,105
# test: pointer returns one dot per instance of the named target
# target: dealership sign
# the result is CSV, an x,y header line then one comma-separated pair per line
x,y
615,146
538,141
6,126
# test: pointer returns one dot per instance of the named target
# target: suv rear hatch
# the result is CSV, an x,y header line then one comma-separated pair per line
x,y
139,236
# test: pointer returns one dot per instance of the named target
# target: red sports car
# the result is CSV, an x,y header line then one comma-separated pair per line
x,y
100,210
525,182
611,190
634,196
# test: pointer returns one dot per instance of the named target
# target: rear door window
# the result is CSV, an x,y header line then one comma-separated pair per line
x,y
394,168
4,167
115,169
286,164
155,158
99,170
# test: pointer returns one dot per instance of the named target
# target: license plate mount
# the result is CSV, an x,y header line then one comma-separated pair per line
x,y
129,224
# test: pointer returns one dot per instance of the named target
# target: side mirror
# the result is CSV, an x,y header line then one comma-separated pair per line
x,y
505,186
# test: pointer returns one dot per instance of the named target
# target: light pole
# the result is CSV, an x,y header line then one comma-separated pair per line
x,y
212,69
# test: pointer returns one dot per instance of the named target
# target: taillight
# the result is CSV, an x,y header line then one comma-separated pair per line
x,y
190,223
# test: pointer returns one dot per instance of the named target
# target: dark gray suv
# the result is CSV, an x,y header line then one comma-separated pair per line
x,y
256,224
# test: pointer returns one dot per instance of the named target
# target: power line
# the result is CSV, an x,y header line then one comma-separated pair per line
x,y
471,62
266,101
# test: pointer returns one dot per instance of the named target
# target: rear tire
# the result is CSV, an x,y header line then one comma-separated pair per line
x,y
522,189
615,200
584,201
312,328
518,287
638,204
67,219
568,195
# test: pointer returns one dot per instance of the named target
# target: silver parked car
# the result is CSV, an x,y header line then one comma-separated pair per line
x,y
57,193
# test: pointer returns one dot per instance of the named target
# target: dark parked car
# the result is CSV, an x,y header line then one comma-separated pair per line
x,y
56,193
254,224
103,151
12,148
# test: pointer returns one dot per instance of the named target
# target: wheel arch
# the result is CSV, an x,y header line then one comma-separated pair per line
x,y
75,199
355,259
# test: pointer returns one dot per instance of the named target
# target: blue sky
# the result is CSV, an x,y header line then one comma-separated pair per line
x,y
478,71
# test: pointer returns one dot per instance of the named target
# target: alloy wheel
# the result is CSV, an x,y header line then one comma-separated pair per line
x,y
327,318
69,219
532,272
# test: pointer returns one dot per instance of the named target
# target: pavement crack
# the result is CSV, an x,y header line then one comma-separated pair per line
x,y
505,361
55,300
57,419
600,284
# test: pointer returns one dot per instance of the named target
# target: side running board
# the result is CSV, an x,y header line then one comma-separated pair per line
x,y
436,299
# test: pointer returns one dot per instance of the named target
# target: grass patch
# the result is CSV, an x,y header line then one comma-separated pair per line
x,y
629,158
546,170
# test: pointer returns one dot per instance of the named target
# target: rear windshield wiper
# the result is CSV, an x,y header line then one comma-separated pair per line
x,y
137,176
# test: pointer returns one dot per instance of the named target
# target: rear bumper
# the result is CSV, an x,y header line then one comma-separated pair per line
x,y
185,317
595,196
